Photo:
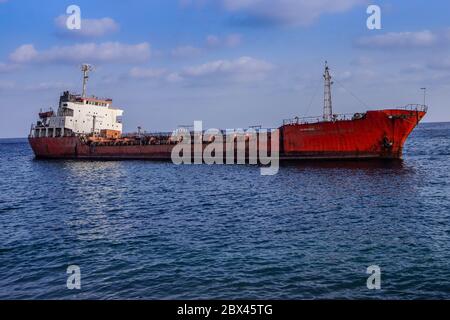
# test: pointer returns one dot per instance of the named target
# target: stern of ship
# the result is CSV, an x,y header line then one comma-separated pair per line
x,y
55,147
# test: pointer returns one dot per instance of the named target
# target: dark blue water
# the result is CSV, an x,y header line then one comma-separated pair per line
x,y
155,230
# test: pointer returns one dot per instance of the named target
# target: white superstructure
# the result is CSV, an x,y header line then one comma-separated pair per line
x,y
79,115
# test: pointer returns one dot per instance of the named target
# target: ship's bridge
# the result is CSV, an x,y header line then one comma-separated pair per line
x,y
78,115
94,101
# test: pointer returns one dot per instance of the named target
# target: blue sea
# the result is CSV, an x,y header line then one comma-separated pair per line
x,y
155,230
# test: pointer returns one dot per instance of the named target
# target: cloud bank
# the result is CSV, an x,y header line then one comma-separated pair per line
x,y
90,28
237,70
393,40
91,52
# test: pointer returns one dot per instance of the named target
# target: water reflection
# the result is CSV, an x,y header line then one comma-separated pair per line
x,y
226,231
397,164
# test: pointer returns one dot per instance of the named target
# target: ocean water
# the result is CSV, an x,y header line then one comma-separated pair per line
x,y
154,230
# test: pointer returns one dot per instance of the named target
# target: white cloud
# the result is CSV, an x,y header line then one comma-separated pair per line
x,y
362,61
447,34
242,64
419,39
87,52
50,85
186,51
346,75
7,67
89,27
212,41
231,40
284,12
174,77
243,68
146,73
23,54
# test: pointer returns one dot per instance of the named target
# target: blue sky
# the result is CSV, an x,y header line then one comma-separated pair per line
x,y
230,63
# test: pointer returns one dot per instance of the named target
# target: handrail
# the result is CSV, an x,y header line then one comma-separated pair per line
x,y
307,120
349,116
414,107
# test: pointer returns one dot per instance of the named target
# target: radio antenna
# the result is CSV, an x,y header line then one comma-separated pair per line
x,y
327,106
86,68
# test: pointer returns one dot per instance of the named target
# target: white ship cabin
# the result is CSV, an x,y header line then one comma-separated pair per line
x,y
79,115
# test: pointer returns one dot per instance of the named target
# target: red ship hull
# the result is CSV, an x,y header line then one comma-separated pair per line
x,y
74,148
379,134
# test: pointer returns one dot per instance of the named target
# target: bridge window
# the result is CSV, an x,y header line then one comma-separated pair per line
x,y
67,112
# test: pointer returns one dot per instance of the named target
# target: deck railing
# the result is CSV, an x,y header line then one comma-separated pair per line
x,y
307,120
414,107
349,116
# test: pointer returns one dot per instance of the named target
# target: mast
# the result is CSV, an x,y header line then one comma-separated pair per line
x,y
85,68
424,96
327,106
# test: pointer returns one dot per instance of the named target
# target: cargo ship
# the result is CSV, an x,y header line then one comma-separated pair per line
x,y
88,127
